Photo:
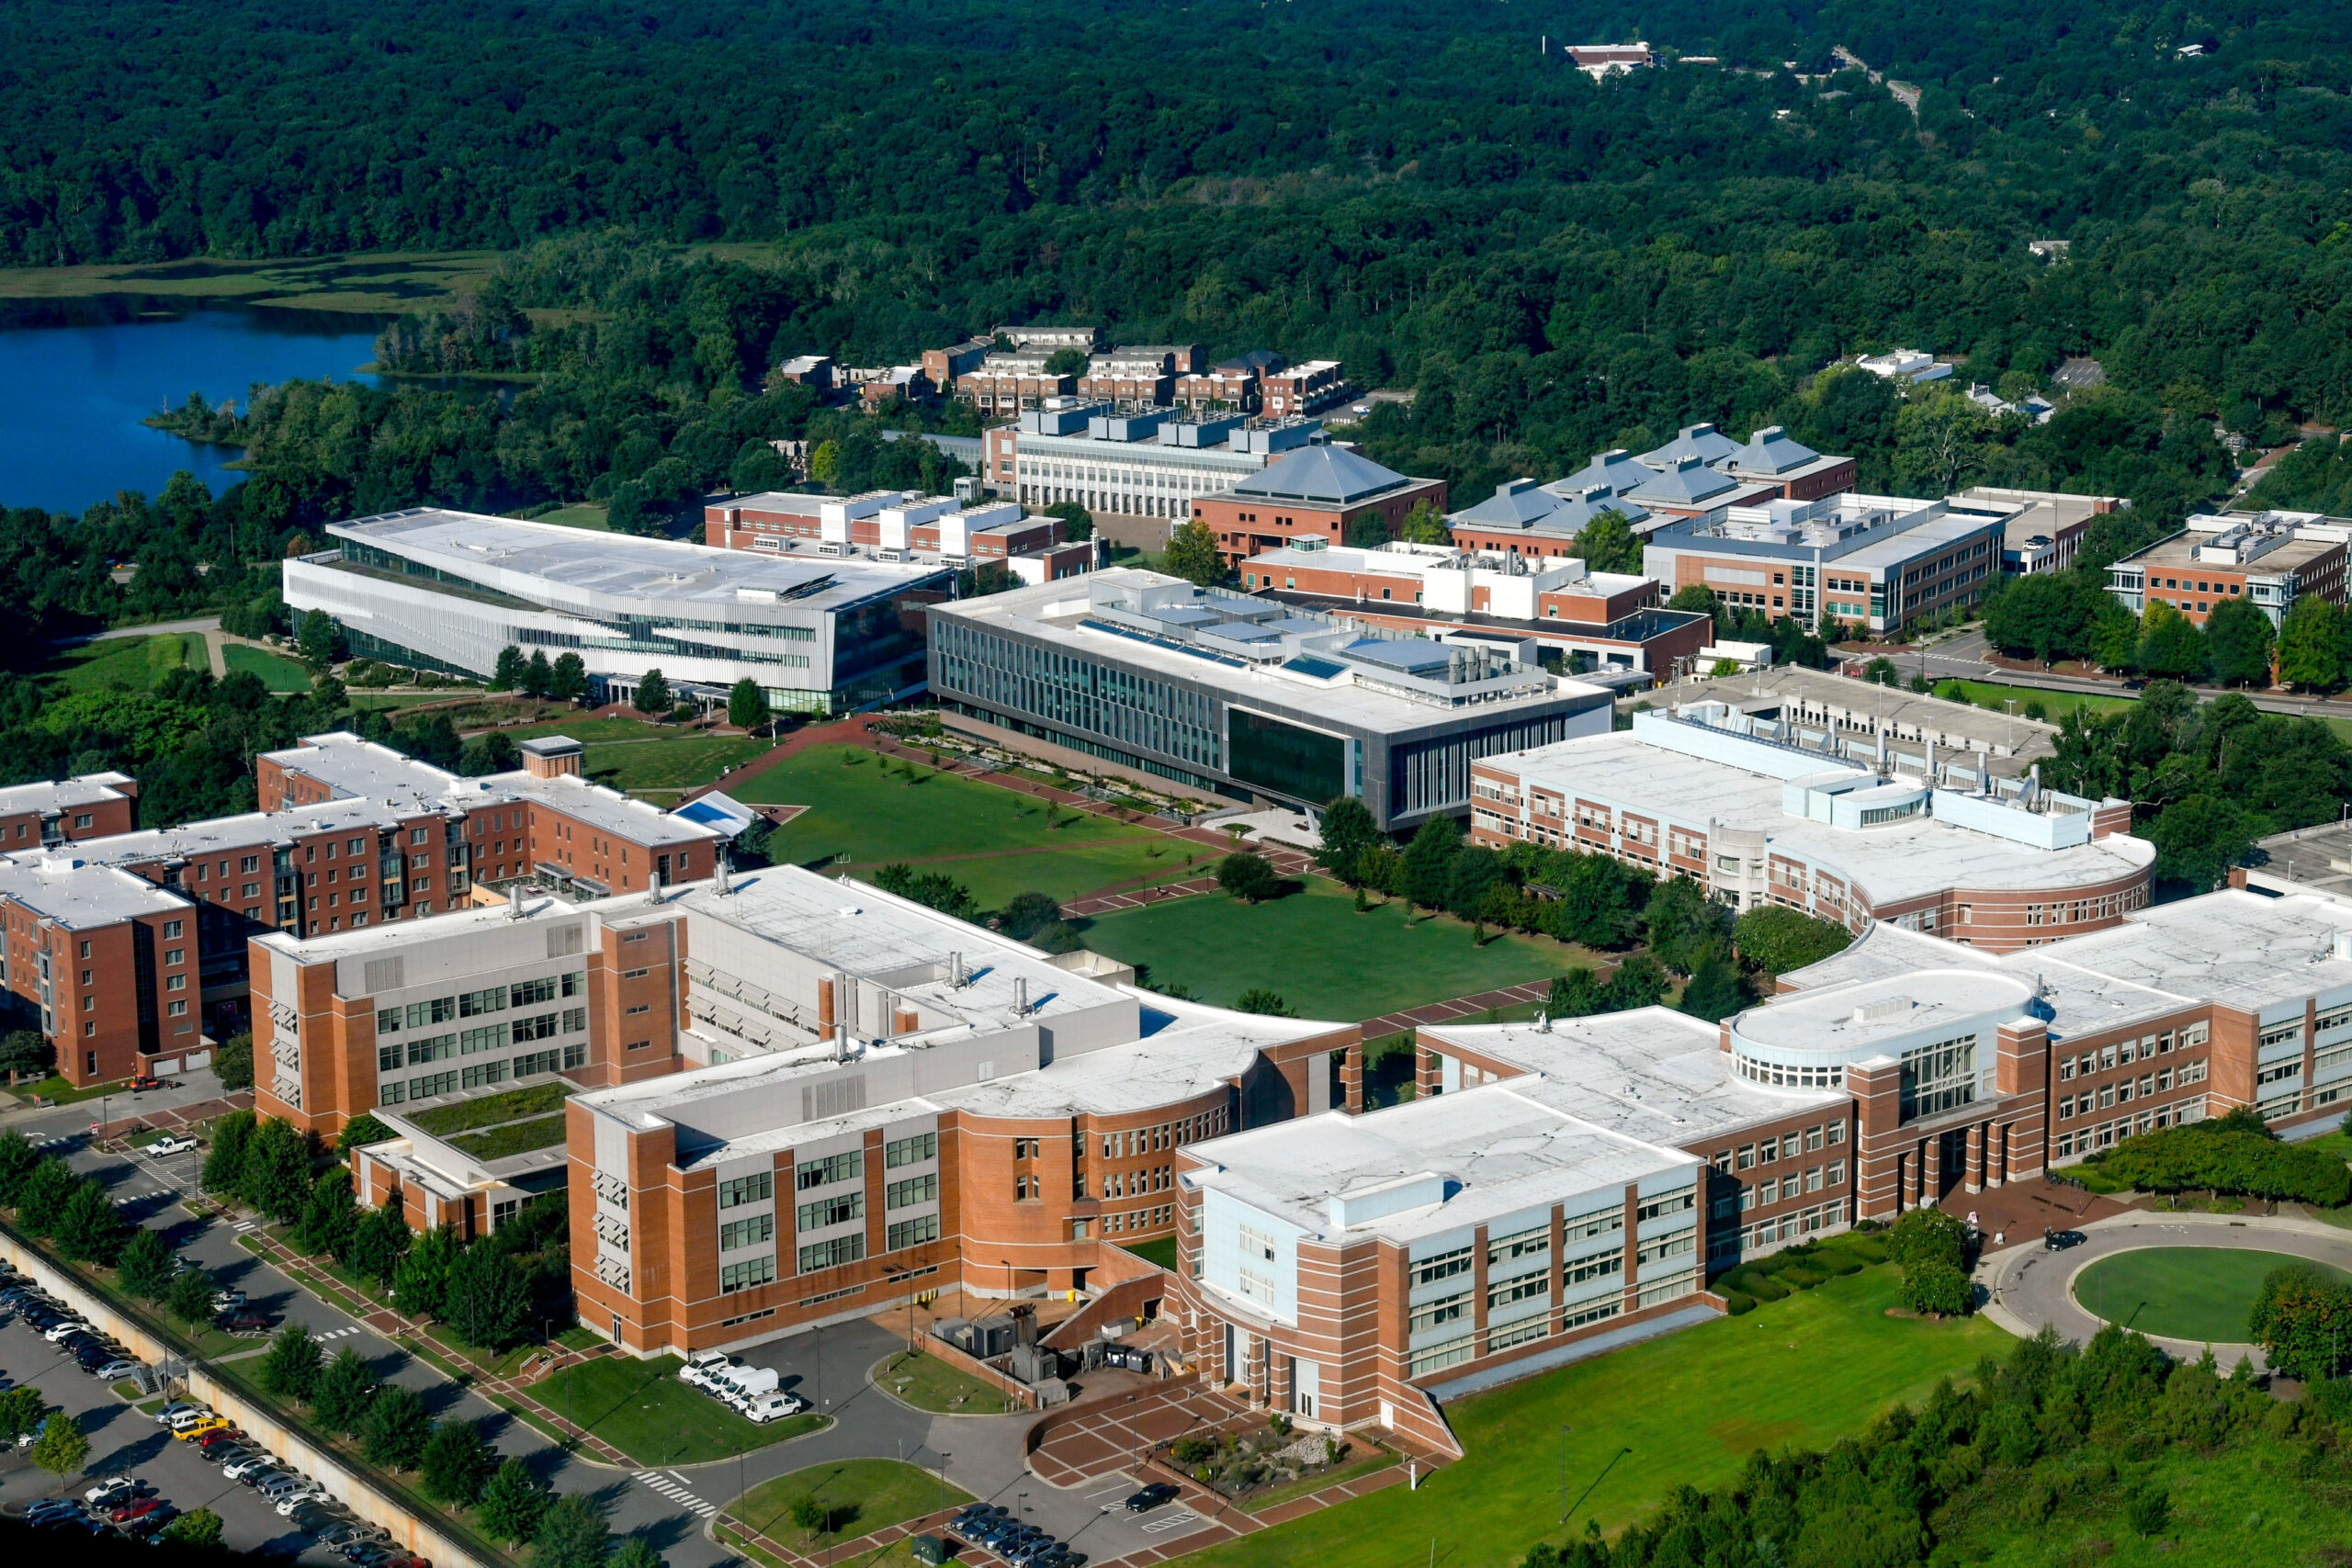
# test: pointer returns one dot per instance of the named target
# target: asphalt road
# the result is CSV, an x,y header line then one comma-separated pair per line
x,y
670,1506
1961,657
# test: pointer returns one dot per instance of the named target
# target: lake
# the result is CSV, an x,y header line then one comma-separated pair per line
x,y
76,377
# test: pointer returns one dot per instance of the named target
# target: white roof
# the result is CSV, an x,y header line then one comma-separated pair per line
x,y
62,794
1891,864
1187,1051
1491,1152
79,895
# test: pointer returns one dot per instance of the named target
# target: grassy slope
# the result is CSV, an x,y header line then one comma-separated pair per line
x,y
670,763
993,840
278,672
641,1408
390,281
2180,1293
1690,1408
1323,957
137,663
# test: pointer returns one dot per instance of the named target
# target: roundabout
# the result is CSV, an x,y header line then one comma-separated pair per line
x,y
2184,1281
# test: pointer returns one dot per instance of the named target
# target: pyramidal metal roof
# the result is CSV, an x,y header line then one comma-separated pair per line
x,y
1703,442
1516,504
1322,475
1615,467
1771,450
1686,483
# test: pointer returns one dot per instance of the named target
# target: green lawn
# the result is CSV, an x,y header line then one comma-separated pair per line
x,y
1986,694
993,840
1160,1252
929,1384
493,1109
276,671
860,1496
583,516
672,762
1318,953
1689,1408
588,730
514,1138
2181,1292
137,663
642,1409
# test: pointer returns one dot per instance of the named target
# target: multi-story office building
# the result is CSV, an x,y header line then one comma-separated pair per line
x,y
44,815
1880,562
2041,529
1546,609
449,590
1240,696
1851,828
1319,489
2270,558
1138,476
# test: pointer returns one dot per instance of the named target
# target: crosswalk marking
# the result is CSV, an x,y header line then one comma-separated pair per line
x,y
339,1333
675,1491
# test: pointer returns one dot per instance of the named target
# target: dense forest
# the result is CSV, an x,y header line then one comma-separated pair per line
x,y
1554,265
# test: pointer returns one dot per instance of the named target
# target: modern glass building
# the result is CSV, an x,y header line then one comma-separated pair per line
x,y
1244,697
447,590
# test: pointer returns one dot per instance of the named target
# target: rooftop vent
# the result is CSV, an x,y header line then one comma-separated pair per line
x,y
1878,1013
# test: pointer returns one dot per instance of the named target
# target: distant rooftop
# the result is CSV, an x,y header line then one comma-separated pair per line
x,y
79,894
1322,475
47,797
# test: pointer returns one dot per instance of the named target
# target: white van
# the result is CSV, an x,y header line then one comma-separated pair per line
x,y
769,1408
703,1365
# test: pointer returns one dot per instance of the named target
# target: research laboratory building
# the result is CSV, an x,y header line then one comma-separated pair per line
x,y
1243,697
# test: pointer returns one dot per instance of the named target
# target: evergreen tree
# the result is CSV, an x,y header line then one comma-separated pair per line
x,y
1248,877
747,706
511,1504
40,1206
1715,991
277,1176
330,1216
571,1534
224,1162
1428,861
1194,556
2310,645
506,674
378,1242
1576,993
233,1064
146,1269
538,676
652,693
18,1160
291,1367
568,683
1348,830
90,1229
457,1463
344,1392
488,1298
190,1298
421,1283
396,1431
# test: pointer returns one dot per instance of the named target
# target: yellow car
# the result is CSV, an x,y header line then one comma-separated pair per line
x,y
210,1424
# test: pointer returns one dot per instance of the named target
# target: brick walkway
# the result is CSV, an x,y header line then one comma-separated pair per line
x,y
2018,1210
1457,1008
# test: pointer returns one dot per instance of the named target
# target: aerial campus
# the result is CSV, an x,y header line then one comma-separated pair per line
x,y
1545,805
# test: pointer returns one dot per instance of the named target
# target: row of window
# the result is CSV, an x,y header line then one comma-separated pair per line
x,y
471,1004
426,1086
2123,1092
2107,1134
2123,1052
1768,1150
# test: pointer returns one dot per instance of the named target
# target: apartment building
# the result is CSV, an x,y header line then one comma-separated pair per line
x,y
43,815
1880,562
1240,697
1544,609
98,962
1297,390
449,591
1051,337
1859,829
945,367
1321,488
1139,475
2270,558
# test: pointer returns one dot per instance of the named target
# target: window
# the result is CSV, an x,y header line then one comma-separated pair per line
x,y
1599,1265
474,1003
914,1189
432,1084
490,1037
575,984
439,1048
762,1271
912,1233
539,1028
1024,1189
1024,1148
1518,1290
171,929
1427,1271
1681,1202
746,1232
1939,1076
1518,1244
754,1189
1445,1310
441,1009
387,1058
574,1020
529,991
486,1073
922,1146
824,1172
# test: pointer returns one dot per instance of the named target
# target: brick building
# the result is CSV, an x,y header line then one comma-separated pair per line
x,y
43,815
2270,558
1857,829
100,962
1319,489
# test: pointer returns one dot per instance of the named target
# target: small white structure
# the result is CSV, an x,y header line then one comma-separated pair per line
x,y
1906,365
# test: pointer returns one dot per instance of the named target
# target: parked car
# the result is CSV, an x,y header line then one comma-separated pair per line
x,y
178,1417
131,1508
53,1505
114,1489
58,1331
772,1407
120,1367
149,1525
248,1324
174,1410
171,1143
1150,1497
307,1492
146,1081
246,1464
210,1424
228,1301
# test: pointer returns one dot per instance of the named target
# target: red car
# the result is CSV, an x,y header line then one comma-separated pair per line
x,y
212,1440
138,1509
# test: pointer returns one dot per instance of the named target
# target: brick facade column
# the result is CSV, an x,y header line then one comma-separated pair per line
x,y
1351,1078
2022,1081
1559,1265
1427,1077
1996,1153
1972,1178
1880,1184
1478,1290
1633,1245
1931,1170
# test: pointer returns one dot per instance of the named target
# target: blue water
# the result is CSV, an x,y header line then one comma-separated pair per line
x,y
75,386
